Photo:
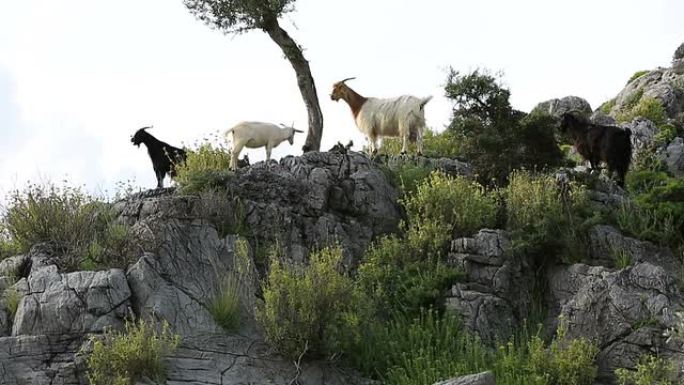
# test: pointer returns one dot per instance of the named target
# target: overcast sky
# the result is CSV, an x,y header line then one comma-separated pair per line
x,y
78,77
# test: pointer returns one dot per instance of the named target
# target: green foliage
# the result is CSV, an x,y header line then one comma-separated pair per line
x,y
443,144
622,258
462,205
650,370
11,299
205,168
494,137
545,216
239,16
637,75
408,176
657,209
80,229
527,360
225,306
122,358
648,108
419,350
312,311
608,106
399,277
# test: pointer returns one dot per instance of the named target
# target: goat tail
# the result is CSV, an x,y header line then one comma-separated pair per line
x,y
424,101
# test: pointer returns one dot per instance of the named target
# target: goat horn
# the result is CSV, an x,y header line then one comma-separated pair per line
x,y
146,128
352,78
296,130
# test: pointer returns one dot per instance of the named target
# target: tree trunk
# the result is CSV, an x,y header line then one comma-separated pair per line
x,y
305,82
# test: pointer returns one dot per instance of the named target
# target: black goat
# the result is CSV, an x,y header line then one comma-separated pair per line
x,y
596,143
164,156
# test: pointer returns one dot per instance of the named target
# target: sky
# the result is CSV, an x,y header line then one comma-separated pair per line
x,y
79,77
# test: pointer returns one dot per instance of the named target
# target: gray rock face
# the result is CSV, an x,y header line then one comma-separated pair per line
x,y
222,360
659,84
302,203
643,132
72,304
180,281
557,107
674,157
679,53
625,312
607,241
495,294
599,117
39,360
484,378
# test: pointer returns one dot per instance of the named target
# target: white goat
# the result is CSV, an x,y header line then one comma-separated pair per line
x,y
403,116
258,134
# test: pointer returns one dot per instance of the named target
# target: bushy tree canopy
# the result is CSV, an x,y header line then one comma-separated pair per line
x,y
236,16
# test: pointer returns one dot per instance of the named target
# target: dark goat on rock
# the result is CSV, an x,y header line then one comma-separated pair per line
x,y
164,156
596,143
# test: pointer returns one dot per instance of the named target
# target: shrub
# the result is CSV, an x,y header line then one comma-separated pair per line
x,y
462,205
419,350
205,168
79,229
650,370
648,108
607,107
225,306
637,75
407,175
11,299
544,215
398,277
443,144
312,311
494,137
122,358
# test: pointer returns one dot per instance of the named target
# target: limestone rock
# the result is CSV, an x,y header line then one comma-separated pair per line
x,y
674,157
557,107
484,378
624,312
75,303
495,294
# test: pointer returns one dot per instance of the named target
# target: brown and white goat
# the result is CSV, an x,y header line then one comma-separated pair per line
x,y
403,116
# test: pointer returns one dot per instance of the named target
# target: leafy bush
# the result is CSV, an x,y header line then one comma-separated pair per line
x,y
312,311
398,277
648,108
637,75
443,144
650,370
11,299
122,358
408,176
419,350
494,137
657,211
608,106
544,215
206,167
462,205
79,228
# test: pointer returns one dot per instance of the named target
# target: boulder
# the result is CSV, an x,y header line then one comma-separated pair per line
x,y
674,157
494,296
557,107
40,360
624,312
72,304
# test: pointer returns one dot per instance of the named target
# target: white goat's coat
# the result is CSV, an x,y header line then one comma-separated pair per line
x,y
255,135
403,116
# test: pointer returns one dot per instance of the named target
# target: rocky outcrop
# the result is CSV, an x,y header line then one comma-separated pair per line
x,y
606,243
300,204
557,107
624,312
485,378
674,157
660,84
494,296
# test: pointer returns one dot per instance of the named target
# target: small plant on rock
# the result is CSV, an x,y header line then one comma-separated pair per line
x,y
122,358
650,370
